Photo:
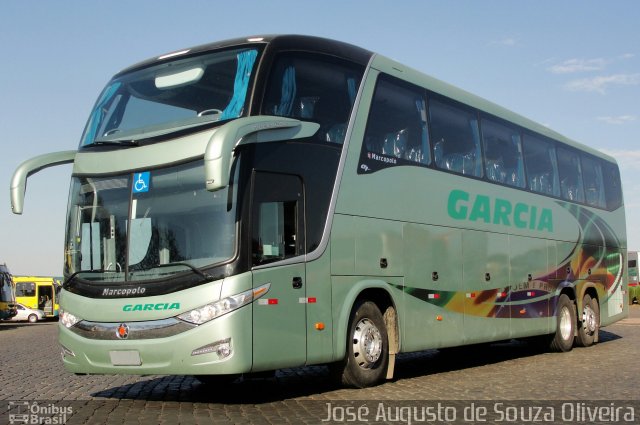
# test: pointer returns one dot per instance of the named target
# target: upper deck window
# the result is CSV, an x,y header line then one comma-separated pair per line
x,y
317,88
178,95
456,138
613,188
397,124
593,181
542,165
571,185
503,153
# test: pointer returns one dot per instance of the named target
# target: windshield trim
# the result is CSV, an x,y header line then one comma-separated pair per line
x,y
138,273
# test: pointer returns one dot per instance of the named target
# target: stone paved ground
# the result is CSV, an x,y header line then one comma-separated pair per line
x,y
32,380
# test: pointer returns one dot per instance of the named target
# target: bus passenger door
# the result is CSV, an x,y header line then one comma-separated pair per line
x,y
277,233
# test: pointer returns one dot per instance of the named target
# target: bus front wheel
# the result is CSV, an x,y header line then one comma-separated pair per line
x,y
565,325
589,322
367,347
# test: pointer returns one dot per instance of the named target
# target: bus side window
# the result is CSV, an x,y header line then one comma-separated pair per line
x,y
613,189
278,217
456,138
502,153
571,185
397,124
541,165
276,238
25,289
593,181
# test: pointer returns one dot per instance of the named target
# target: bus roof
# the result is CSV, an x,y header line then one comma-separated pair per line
x,y
435,85
33,279
275,41
381,63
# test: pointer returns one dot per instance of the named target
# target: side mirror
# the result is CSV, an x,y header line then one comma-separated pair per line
x,y
219,152
32,166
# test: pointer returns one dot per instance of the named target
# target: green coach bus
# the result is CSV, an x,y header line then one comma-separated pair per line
x,y
281,201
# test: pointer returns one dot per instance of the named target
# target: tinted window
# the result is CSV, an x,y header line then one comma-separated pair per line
x,y
613,189
456,138
397,125
313,88
503,153
541,165
571,186
278,220
593,181
25,289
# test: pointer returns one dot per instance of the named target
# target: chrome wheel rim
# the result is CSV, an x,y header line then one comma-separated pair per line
x,y
589,321
566,327
367,343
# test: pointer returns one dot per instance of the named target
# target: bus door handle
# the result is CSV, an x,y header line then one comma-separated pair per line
x,y
297,282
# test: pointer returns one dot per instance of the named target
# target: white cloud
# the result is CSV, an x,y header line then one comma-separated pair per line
x,y
628,56
601,83
578,65
620,119
507,41
628,160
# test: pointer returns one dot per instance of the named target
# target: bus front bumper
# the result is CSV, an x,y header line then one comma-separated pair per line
x,y
221,346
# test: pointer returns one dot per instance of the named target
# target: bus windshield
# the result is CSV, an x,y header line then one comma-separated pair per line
x,y
177,95
147,225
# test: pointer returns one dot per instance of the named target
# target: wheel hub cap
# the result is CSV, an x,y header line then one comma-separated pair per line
x,y
565,324
367,343
589,319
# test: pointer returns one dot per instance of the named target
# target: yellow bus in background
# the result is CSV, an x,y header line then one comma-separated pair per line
x,y
38,292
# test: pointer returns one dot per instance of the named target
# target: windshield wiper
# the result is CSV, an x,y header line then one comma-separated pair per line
x,y
113,143
70,278
196,270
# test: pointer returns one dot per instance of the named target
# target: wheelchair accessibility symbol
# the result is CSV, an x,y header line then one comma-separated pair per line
x,y
141,182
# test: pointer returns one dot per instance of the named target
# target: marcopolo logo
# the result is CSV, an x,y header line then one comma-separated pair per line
x,y
151,307
123,292
464,206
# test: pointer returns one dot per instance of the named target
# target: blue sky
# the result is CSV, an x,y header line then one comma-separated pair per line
x,y
571,65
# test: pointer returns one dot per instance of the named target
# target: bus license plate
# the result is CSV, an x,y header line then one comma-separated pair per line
x,y
125,358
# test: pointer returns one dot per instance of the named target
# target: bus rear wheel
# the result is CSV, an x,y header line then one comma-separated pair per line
x,y
589,322
565,325
367,356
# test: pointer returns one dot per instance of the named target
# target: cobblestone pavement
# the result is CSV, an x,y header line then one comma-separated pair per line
x,y
33,381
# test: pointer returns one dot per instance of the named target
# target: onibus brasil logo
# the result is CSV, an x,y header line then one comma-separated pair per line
x,y
33,412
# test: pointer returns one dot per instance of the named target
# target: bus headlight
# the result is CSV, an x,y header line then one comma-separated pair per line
x,y
221,307
67,319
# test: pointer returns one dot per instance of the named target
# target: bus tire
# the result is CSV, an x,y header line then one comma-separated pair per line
x,y
565,325
589,325
367,356
32,318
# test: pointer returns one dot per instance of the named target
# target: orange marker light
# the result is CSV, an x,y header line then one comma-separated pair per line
x,y
319,326
439,318
523,311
